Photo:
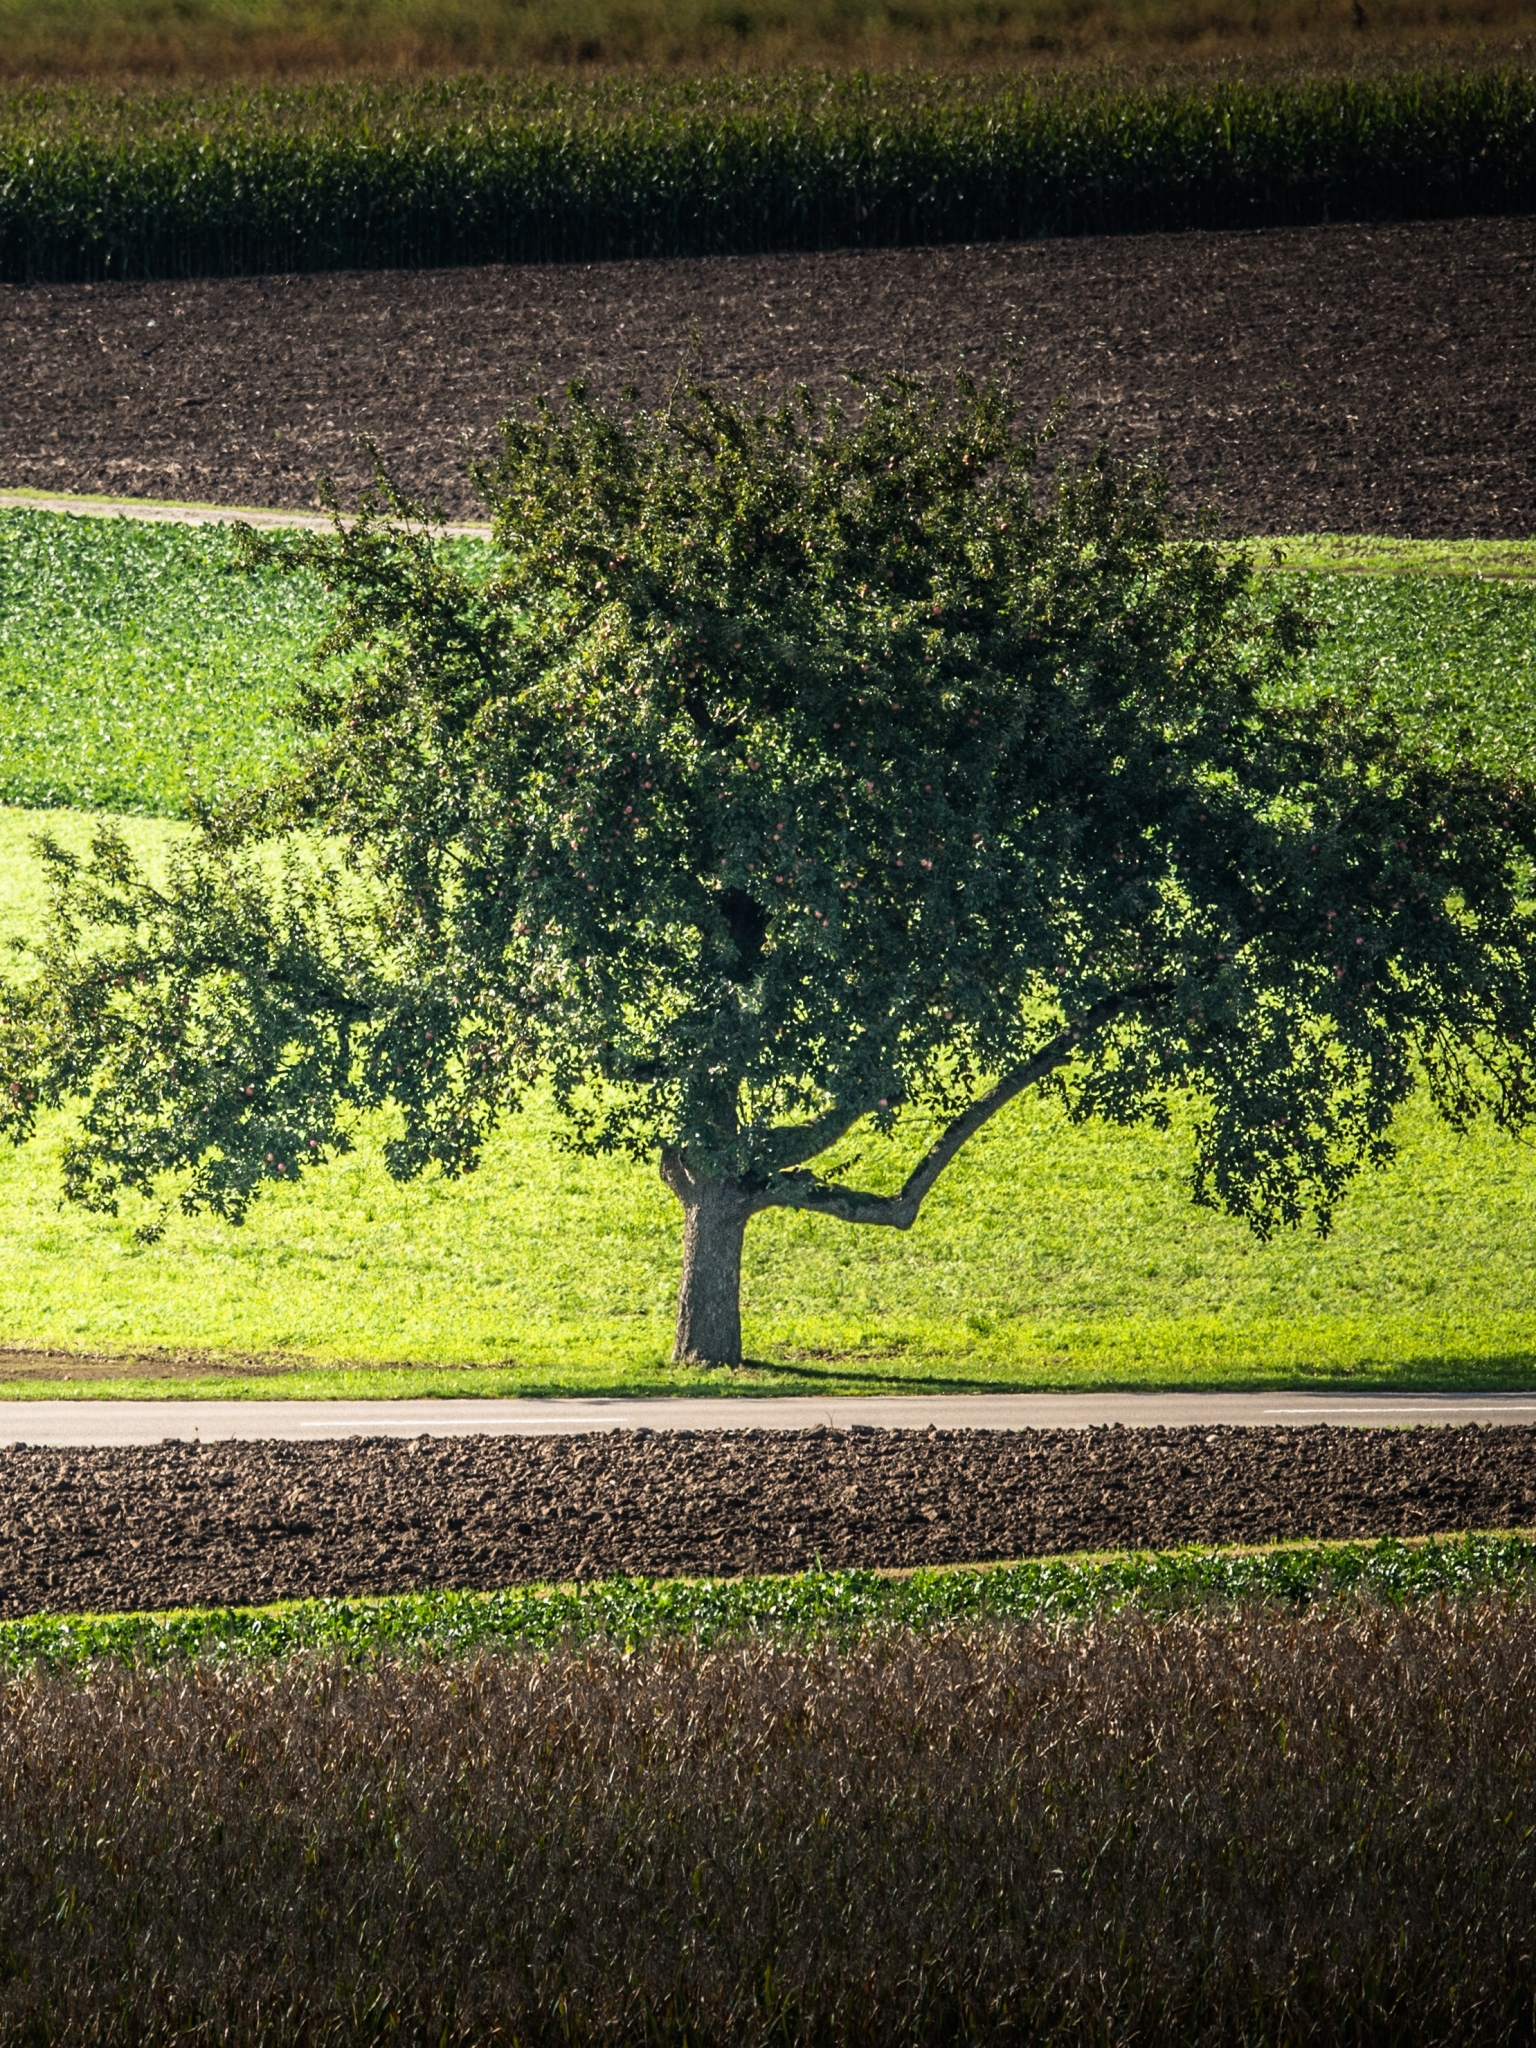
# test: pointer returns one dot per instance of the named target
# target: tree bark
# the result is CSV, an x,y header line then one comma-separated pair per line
x,y
715,1218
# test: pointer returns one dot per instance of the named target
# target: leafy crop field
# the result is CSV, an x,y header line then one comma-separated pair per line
x,y
97,184
1200,1825
137,668
843,1606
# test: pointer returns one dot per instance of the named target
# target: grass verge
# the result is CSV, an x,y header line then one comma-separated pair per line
x,y
636,1613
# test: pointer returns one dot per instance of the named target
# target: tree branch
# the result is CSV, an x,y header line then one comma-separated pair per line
x,y
793,1144
800,1190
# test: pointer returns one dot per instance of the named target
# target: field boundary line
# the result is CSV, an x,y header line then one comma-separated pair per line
x,y
171,512
1303,553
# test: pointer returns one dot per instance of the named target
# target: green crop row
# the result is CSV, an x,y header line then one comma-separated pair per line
x,y
843,1604
98,186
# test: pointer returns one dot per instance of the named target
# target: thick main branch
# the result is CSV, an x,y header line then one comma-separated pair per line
x,y
801,1190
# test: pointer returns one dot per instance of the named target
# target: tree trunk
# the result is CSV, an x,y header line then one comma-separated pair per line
x,y
715,1217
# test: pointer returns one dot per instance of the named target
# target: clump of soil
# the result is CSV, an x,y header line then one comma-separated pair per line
x,y
179,1524
1346,379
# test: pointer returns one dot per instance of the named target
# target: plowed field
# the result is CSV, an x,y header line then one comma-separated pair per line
x,y
173,1525
1368,380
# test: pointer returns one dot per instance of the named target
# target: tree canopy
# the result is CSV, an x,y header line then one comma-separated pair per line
x,y
795,769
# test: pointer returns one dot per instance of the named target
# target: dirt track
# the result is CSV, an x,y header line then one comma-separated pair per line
x,y
1358,379
148,1528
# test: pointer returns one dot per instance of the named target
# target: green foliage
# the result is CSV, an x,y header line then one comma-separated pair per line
x,y
1455,658
135,668
108,185
638,1613
795,772
138,666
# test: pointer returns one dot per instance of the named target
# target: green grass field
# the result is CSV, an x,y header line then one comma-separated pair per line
x,y
135,668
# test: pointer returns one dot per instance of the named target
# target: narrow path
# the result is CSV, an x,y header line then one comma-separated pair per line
x,y
83,1422
166,512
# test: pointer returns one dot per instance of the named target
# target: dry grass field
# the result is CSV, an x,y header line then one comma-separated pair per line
x,y
1239,1829
290,39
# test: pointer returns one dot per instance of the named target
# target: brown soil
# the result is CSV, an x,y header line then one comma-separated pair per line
x,y
59,1367
1356,379
114,1529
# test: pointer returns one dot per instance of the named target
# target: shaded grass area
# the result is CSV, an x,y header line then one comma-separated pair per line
x,y
1201,1826
473,170
636,1613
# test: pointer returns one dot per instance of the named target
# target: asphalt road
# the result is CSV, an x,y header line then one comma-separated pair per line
x,y
105,1422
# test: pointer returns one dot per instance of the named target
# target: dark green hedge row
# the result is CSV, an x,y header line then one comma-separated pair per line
x,y
334,177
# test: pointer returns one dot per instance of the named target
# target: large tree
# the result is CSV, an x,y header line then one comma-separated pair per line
x,y
794,770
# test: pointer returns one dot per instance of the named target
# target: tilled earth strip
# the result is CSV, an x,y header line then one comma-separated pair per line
x,y
179,1524
1348,378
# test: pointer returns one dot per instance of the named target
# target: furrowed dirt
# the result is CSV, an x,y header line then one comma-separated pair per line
x,y
179,1524
1352,379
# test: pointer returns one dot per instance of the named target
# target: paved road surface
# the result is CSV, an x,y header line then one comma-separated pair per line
x,y
151,1422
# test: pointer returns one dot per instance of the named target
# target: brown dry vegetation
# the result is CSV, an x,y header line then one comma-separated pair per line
x,y
1253,1829
293,39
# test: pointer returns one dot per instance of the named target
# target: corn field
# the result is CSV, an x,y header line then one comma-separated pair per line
x,y
96,185
1250,1828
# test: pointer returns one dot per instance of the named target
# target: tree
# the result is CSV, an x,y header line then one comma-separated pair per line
x,y
795,770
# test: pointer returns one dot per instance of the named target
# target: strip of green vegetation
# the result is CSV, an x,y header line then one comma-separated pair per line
x,y
138,666
841,1604
1378,555
95,184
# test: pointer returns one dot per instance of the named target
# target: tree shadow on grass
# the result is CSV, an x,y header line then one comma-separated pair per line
x,y
1429,1373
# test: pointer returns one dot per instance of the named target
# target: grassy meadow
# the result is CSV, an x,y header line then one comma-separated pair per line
x,y
135,667
205,39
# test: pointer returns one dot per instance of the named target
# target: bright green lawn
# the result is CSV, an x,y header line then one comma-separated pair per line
x,y
1048,1256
